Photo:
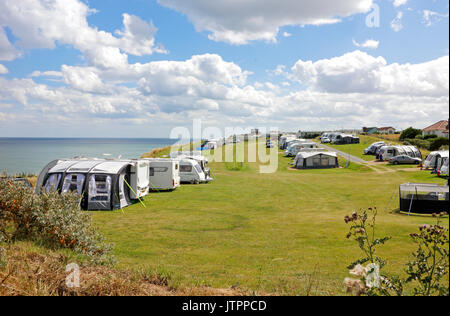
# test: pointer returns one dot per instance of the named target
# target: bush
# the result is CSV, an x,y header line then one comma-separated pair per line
x,y
421,143
438,142
53,218
410,133
430,136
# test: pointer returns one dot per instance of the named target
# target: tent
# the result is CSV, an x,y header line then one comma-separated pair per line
x,y
424,198
102,184
316,160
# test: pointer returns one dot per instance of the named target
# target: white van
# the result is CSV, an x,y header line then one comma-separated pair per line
x,y
191,172
164,173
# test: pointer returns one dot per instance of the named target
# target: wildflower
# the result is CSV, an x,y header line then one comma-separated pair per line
x,y
355,286
358,271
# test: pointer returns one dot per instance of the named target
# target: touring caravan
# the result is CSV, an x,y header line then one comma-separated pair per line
x,y
164,173
435,159
102,184
387,152
372,149
284,139
191,172
341,139
198,157
316,160
295,148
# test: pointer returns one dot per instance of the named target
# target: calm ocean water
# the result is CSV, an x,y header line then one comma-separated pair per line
x,y
30,155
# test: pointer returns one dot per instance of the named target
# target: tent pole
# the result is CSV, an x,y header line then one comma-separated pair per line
x,y
134,192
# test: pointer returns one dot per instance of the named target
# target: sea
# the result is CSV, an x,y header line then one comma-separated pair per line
x,y
30,155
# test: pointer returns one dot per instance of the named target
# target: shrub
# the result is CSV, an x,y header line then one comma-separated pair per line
x,y
438,142
53,218
410,133
430,136
421,143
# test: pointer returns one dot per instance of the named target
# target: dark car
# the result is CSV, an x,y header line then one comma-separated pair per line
x,y
404,159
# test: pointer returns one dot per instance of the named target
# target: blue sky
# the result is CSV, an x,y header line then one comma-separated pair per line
x,y
288,64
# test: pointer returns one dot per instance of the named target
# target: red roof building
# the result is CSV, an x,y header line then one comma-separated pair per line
x,y
440,129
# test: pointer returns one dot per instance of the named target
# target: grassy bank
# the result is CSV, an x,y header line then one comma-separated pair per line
x,y
275,233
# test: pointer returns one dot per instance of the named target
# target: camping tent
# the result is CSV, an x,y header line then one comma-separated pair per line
x,y
102,184
424,198
316,160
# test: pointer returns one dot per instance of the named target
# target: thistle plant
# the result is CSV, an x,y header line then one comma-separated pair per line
x,y
431,260
426,271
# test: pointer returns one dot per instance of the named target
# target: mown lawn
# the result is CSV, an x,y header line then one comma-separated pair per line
x,y
280,233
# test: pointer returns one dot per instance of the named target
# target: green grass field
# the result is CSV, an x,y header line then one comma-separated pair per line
x,y
279,233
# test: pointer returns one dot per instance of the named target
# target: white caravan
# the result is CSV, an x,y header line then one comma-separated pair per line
x,y
284,139
164,173
435,159
387,152
295,148
191,172
198,157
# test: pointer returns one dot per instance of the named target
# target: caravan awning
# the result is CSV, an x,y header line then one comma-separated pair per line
x,y
110,167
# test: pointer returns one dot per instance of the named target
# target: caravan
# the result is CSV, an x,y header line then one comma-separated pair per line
x,y
164,173
102,184
387,152
435,159
191,172
373,148
284,139
295,148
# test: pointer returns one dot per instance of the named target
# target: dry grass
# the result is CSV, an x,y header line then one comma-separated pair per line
x,y
32,273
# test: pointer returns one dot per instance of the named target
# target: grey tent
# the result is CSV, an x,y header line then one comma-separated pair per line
x,y
102,184
316,160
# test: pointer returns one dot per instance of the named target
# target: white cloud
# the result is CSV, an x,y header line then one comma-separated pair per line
x,y
396,23
431,17
238,22
370,43
7,50
38,73
358,72
351,90
286,34
29,22
398,3
3,70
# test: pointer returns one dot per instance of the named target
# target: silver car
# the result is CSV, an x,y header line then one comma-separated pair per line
x,y
404,159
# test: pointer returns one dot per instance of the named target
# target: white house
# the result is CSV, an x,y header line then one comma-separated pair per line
x,y
440,129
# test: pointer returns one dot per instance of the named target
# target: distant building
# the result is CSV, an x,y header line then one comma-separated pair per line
x,y
386,130
440,129
370,130
380,130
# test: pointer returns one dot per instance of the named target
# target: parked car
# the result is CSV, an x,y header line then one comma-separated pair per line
x,y
404,159
325,140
